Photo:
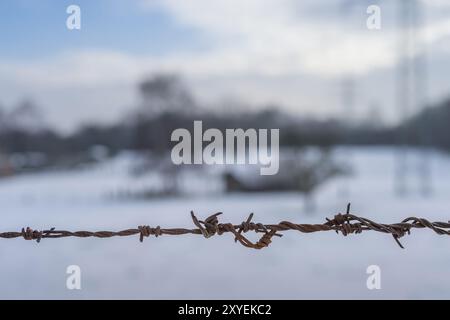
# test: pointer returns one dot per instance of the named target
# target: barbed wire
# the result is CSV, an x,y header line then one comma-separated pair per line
x,y
341,223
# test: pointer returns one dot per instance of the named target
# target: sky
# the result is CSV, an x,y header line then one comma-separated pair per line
x,y
291,53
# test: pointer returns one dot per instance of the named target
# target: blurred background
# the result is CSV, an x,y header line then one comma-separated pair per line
x,y
85,123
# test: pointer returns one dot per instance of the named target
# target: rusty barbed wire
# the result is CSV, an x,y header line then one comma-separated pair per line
x,y
341,223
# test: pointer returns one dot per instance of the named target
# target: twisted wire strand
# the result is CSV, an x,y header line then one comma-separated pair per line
x,y
341,223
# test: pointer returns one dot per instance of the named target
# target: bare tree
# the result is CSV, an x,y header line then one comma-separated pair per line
x,y
165,93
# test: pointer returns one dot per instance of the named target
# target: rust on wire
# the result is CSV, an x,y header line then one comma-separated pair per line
x,y
341,223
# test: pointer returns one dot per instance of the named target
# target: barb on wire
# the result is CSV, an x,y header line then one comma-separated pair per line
x,y
341,223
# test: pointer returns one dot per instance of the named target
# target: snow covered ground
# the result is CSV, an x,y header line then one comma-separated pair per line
x,y
318,265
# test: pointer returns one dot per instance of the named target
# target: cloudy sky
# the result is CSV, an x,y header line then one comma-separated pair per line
x,y
290,52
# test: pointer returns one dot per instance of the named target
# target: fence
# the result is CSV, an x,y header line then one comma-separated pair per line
x,y
341,223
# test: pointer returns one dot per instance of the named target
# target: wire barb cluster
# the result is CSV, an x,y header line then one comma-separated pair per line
x,y
341,223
